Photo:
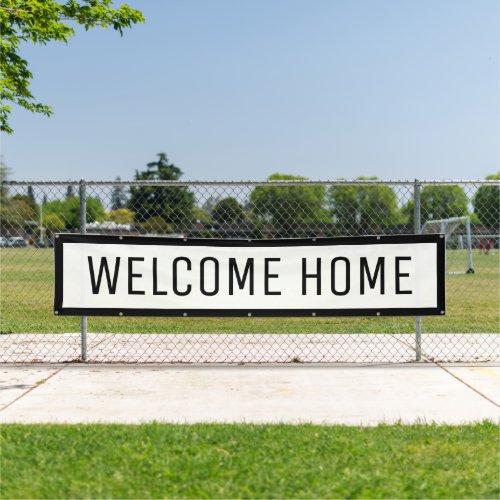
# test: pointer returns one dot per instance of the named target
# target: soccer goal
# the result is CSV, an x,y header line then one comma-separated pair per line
x,y
458,236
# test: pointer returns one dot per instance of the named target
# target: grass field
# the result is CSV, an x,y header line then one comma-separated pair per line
x,y
27,275
249,461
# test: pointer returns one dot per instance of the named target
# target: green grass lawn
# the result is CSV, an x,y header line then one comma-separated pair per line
x,y
26,295
249,461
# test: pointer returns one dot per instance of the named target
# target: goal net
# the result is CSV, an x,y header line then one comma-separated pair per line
x,y
457,231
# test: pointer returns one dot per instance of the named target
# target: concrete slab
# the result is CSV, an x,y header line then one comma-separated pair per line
x,y
485,379
15,382
348,394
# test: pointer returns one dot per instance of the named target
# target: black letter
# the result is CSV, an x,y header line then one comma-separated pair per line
x,y
316,275
155,278
267,276
233,268
103,266
131,275
347,275
174,277
401,275
372,279
202,276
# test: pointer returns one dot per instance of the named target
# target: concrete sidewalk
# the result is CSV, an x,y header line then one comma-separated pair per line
x,y
333,394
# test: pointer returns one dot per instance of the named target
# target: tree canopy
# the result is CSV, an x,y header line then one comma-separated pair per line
x,y
228,211
118,197
4,173
440,202
28,200
121,216
486,203
172,203
68,210
17,210
363,205
41,22
15,213
288,206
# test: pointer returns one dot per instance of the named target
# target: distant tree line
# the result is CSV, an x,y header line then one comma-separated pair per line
x,y
351,208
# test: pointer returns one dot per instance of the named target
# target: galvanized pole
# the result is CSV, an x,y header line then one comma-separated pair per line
x,y
469,245
40,237
83,230
417,230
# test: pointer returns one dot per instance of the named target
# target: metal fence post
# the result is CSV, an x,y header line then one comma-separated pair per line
x,y
83,230
470,269
417,230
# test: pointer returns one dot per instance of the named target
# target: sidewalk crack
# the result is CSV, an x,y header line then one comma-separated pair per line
x,y
467,384
38,384
430,360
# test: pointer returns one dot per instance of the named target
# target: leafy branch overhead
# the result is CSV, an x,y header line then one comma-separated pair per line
x,y
42,21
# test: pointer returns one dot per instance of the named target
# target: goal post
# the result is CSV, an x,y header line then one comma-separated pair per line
x,y
454,228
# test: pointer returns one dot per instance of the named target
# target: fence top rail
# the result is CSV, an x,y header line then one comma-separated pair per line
x,y
251,183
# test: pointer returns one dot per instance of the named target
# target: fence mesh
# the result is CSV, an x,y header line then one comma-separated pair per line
x,y
31,213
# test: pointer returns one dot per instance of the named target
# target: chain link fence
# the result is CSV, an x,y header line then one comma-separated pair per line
x,y
466,211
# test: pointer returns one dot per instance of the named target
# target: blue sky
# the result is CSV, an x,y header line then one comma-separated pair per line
x,y
237,90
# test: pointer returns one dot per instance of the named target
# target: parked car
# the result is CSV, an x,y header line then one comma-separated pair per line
x,y
39,244
4,242
17,242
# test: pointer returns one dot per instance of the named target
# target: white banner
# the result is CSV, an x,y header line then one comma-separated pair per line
x,y
136,276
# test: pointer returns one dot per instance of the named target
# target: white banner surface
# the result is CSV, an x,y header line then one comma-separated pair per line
x,y
141,276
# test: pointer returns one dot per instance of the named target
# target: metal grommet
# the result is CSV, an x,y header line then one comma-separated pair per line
x,y
314,239
184,239
249,314
120,237
378,237
184,314
57,236
249,241
378,313
56,312
442,312
120,314
314,314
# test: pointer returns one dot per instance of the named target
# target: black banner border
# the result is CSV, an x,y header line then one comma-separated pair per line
x,y
62,238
